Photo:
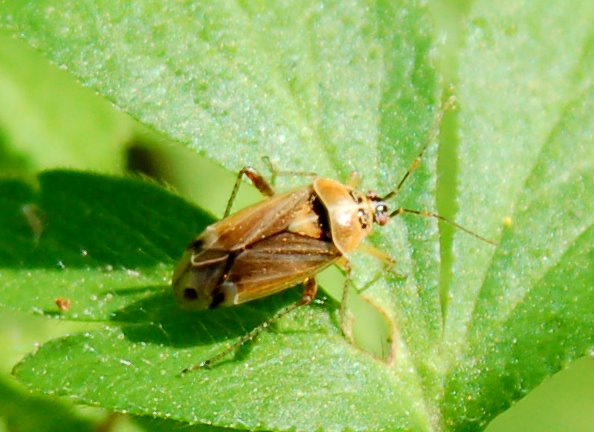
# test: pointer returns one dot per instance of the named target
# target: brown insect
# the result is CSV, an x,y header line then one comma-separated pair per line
x,y
281,242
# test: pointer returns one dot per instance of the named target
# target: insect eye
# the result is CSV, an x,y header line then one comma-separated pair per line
x,y
380,214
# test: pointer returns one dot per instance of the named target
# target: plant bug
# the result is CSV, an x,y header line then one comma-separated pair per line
x,y
284,241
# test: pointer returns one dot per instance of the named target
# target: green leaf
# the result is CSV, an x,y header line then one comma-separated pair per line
x,y
522,312
47,120
238,81
23,412
102,242
161,425
532,314
329,89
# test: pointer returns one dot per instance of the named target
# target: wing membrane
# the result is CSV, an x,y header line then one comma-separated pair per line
x,y
259,221
279,262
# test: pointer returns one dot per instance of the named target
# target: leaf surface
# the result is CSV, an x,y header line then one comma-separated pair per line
x,y
327,89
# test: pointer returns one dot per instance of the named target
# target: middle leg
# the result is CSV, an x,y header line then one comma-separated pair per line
x,y
257,180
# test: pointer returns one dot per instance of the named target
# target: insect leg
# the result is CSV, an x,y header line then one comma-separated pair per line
x,y
35,219
274,172
423,213
378,254
345,319
354,179
344,264
257,180
309,293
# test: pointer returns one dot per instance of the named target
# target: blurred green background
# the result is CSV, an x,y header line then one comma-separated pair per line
x,y
47,120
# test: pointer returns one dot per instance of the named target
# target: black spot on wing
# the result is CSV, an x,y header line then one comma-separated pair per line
x,y
190,294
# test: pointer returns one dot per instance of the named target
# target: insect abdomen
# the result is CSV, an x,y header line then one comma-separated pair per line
x,y
198,280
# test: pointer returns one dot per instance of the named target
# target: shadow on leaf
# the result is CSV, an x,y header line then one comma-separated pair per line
x,y
89,220
158,319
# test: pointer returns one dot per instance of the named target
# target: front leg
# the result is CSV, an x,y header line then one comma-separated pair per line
x,y
346,319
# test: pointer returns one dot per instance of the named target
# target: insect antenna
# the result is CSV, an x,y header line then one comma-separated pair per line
x,y
448,104
400,211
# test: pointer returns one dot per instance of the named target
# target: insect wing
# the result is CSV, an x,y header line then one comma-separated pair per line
x,y
259,221
198,276
277,263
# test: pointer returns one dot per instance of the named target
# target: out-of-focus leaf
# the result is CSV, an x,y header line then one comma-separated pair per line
x,y
47,120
